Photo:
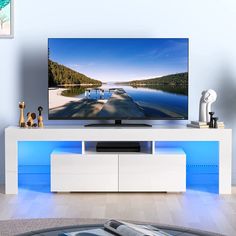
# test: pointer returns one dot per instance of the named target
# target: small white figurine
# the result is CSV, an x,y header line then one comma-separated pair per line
x,y
208,97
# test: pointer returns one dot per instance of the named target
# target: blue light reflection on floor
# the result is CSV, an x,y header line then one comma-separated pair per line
x,y
202,163
34,160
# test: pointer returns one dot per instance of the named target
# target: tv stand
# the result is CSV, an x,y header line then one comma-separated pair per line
x,y
103,167
118,123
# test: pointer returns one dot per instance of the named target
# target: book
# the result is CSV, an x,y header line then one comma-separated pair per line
x,y
200,123
198,126
204,126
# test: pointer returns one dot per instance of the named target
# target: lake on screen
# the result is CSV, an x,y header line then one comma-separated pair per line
x,y
157,101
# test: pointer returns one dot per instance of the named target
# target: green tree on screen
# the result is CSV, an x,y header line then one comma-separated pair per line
x,y
3,3
3,19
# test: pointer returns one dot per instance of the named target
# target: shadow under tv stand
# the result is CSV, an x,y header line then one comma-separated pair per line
x,y
118,123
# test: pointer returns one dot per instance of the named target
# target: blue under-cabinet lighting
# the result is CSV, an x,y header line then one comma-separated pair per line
x,y
34,160
202,161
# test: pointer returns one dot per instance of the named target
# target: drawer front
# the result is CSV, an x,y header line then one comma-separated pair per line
x,y
84,173
152,173
85,164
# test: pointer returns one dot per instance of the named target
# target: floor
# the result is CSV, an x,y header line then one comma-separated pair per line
x,y
194,209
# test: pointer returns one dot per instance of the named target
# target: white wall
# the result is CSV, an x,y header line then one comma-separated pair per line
x,y
210,25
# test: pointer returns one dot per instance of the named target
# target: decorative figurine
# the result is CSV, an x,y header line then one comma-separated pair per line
x,y
30,119
33,116
211,98
22,119
211,123
215,122
208,97
40,117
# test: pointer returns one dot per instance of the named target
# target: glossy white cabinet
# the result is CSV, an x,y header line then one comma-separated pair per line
x,y
84,173
164,172
93,134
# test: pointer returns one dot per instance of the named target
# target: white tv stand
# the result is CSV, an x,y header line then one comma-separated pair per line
x,y
90,135
164,171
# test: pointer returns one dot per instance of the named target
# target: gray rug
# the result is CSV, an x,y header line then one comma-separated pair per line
x,y
15,227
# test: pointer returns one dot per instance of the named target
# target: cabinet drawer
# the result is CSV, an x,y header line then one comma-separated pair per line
x,y
84,173
152,173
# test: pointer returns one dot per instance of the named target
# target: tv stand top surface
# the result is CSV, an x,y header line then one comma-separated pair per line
x,y
109,126
156,130
112,126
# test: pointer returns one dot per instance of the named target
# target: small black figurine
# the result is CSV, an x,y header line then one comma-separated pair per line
x,y
215,122
211,123
40,109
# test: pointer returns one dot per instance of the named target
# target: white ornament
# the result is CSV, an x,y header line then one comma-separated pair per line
x,y
208,97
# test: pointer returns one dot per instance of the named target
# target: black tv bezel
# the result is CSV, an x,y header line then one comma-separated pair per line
x,y
118,118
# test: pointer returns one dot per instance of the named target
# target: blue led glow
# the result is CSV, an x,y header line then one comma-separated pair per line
x,y
202,159
198,152
202,162
38,153
34,160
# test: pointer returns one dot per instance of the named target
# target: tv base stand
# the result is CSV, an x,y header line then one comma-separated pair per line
x,y
118,123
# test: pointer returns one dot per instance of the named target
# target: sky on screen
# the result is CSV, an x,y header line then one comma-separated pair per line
x,y
121,59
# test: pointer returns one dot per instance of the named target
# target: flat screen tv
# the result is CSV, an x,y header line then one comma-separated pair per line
x,y
118,78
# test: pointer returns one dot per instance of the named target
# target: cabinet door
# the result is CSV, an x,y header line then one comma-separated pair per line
x,y
84,173
151,173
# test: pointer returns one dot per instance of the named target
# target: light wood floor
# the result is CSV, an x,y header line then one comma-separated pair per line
x,y
195,209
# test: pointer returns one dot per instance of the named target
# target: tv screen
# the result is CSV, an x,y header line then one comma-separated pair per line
x,y
118,78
